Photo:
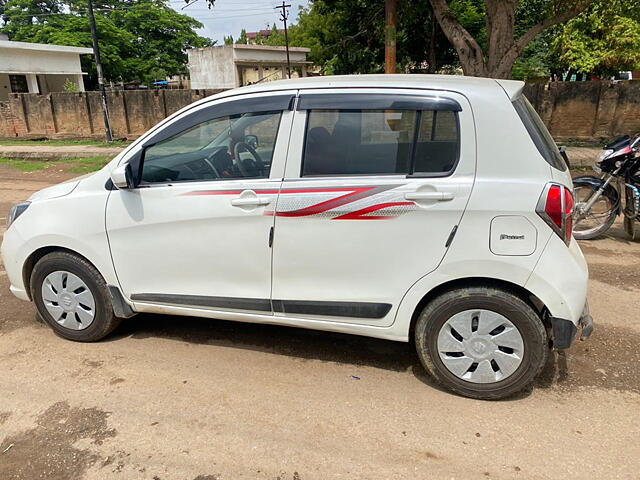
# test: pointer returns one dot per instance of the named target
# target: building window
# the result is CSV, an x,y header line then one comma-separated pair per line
x,y
18,84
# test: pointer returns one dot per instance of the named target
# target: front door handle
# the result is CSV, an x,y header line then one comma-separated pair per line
x,y
250,201
437,196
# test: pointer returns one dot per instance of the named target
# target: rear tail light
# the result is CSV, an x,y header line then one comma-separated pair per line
x,y
555,207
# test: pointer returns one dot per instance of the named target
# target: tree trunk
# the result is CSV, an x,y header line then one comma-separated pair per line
x,y
501,16
503,48
432,58
468,50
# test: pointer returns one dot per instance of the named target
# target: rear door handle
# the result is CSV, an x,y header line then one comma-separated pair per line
x,y
437,196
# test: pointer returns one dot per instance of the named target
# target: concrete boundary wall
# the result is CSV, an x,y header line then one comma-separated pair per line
x,y
79,115
586,111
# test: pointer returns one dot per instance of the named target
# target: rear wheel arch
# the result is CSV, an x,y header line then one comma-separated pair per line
x,y
532,300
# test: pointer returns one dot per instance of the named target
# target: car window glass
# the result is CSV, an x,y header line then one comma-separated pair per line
x,y
229,147
539,133
438,143
357,142
375,142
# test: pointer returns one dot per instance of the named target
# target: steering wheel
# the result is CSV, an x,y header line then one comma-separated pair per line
x,y
248,148
209,161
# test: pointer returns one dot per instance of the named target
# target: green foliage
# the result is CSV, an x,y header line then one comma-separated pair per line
x,y
534,62
70,86
602,41
142,40
347,36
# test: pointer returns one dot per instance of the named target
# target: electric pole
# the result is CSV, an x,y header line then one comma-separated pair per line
x,y
283,16
96,55
390,29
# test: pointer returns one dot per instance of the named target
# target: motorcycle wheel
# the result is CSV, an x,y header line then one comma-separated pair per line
x,y
599,219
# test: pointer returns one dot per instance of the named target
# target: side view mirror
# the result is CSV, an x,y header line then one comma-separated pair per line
x,y
129,174
251,140
120,176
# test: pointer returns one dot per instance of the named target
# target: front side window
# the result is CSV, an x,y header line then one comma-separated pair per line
x,y
380,142
224,148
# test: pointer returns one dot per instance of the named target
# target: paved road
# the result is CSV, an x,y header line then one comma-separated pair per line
x,y
185,398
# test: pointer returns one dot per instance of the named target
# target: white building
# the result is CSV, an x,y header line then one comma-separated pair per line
x,y
38,68
231,66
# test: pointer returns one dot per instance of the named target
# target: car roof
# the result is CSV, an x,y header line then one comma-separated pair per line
x,y
455,83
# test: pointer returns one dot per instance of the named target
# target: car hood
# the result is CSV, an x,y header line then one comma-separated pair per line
x,y
59,190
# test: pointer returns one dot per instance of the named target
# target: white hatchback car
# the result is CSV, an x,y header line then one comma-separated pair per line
x,y
430,208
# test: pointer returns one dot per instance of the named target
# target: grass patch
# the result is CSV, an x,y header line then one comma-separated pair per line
x,y
80,165
24,165
64,143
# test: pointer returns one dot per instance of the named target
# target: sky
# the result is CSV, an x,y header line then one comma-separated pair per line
x,y
228,17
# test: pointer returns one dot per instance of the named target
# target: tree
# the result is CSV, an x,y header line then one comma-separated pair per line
x,y
602,41
347,36
503,46
141,40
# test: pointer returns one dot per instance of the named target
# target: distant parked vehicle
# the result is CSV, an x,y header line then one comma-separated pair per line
x,y
616,192
418,208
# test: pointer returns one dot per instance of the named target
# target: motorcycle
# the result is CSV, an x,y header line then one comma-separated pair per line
x,y
598,201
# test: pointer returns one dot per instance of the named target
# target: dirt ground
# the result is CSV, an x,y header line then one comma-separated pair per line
x,y
191,399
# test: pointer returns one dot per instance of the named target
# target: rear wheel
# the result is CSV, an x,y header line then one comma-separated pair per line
x,y
481,342
72,297
595,222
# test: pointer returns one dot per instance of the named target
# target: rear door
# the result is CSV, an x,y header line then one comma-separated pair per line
x,y
375,183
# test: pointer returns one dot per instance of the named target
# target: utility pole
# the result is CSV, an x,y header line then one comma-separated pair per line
x,y
283,16
390,30
96,55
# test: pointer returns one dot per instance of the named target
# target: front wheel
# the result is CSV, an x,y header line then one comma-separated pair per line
x,y
595,222
72,298
481,342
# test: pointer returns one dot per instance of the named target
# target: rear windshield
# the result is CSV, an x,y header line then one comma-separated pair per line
x,y
539,133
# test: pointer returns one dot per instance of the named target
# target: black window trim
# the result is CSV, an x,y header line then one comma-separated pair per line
x,y
375,101
416,133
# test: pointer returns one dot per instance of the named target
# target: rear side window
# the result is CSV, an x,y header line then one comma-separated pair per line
x,y
380,142
539,134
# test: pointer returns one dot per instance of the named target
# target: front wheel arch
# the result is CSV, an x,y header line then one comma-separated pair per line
x,y
30,262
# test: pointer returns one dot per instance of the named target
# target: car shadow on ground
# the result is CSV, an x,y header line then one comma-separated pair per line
x,y
585,365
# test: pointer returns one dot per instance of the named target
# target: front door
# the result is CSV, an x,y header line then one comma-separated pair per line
x,y
375,185
195,233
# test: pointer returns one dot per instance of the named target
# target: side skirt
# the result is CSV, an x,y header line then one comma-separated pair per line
x,y
369,310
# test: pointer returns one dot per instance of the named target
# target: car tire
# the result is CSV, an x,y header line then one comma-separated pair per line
x,y
87,315
518,363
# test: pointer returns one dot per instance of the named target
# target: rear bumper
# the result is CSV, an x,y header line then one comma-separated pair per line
x,y
564,331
